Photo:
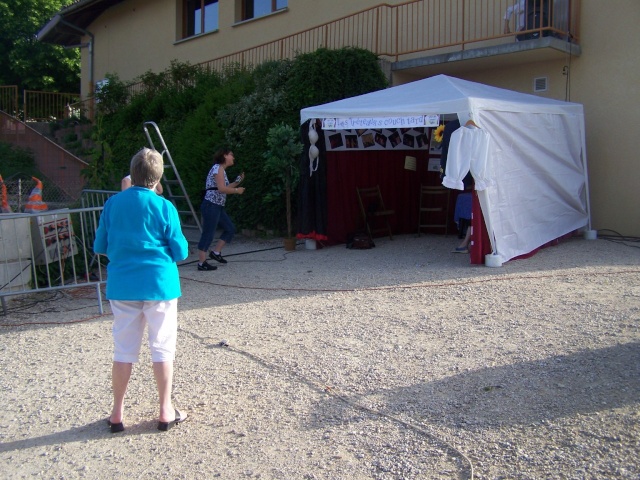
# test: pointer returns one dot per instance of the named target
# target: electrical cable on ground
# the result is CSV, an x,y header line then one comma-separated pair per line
x,y
616,237
319,387
507,278
67,322
326,388
246,253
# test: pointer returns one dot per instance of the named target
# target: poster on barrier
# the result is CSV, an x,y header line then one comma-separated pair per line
x,y
53,238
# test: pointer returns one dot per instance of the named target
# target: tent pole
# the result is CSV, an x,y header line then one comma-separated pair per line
x,y
586,173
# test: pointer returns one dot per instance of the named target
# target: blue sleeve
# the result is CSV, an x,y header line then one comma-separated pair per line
x,y
100,243
177,242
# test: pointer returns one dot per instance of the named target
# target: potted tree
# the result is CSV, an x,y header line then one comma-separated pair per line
x,y
281,163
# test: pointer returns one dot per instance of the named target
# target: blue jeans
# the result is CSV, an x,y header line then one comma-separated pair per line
x,y
212,216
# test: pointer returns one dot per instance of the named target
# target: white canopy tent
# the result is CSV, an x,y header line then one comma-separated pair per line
x,y
535,183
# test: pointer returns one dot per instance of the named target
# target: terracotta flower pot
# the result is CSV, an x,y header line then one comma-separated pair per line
x,y
290,244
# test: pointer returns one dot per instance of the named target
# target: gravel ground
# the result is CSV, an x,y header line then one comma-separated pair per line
x,y
400,362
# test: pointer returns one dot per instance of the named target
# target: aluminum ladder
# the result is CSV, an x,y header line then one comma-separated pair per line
x,y
174,188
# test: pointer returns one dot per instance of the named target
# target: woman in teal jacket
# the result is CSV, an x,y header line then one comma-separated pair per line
x,y
140,234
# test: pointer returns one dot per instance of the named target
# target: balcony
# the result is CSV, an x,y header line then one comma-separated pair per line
x,y
421,38
426,37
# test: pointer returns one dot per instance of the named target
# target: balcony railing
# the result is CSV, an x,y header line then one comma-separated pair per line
x,y
38,106
47,106
418,27
9,99
409,30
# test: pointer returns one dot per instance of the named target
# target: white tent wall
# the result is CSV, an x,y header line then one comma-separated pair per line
x,y
539,191
537,153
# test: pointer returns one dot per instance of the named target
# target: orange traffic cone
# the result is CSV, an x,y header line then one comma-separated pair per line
x,y
5,201
35,203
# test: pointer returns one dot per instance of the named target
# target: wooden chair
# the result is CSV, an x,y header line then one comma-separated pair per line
x,y
373,211
434,204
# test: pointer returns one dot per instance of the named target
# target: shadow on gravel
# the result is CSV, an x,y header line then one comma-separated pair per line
x,y
82,433
581,383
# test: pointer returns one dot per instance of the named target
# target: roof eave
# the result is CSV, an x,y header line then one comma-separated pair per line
x,y
70,24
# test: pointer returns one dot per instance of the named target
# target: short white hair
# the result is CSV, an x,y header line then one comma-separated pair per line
x,y
146,168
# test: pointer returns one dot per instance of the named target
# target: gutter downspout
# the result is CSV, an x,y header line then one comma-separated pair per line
x,y
90,45
58,19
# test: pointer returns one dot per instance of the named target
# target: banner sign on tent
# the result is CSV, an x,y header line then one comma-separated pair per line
x,y
380,139
380,122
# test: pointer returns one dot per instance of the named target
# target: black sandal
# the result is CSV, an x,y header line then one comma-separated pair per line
x,y
115,427
180,417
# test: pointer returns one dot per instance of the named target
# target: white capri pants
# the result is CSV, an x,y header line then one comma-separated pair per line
x,y
129,320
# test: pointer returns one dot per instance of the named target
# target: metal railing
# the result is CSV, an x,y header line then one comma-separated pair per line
x,y
52,250
49,251
396,31
48,106
404,31
9,99
37,106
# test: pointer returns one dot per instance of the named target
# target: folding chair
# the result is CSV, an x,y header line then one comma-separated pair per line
x,y
434,203
373,211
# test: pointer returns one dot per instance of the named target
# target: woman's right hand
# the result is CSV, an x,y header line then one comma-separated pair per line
x,y
239,190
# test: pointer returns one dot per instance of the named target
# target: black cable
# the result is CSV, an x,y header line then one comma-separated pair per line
x,y
321,387
619,238
17,275
617,234
246,253
70,309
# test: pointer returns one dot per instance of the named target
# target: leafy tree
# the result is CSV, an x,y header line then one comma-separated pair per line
x,y
281,164
25,61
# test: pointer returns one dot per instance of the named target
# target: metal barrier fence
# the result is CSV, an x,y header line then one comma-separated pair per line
x,y
52,250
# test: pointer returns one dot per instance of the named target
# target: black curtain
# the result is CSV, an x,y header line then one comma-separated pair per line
x,y
312,189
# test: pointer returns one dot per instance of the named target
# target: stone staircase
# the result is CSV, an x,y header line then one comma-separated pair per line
x,y
75,137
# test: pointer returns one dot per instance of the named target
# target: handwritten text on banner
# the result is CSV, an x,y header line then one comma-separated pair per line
x,y
380,122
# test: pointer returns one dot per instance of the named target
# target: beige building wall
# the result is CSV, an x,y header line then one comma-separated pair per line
x,y
605,78
140,35
136,36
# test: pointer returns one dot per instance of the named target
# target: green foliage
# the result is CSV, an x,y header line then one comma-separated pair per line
x,y
246,122
201,134
281,163
25,61
15,160
327,75
199,111
102,173
112,96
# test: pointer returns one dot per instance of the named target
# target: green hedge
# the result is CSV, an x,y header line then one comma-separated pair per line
x,y
198,111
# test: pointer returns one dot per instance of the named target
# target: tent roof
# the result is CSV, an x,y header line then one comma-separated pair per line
x,y
440,94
